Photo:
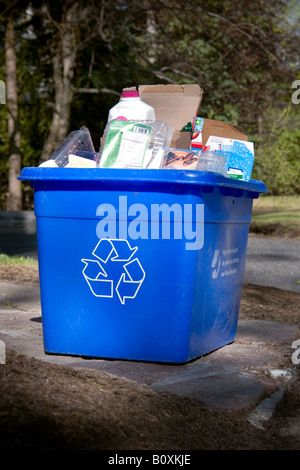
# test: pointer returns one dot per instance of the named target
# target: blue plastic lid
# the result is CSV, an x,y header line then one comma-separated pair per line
x,y
161,176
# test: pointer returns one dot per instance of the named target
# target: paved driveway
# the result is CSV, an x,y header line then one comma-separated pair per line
x,y
273,262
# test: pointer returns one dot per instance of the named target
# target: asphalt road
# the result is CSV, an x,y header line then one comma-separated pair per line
x,y
270,262
20,244
273,262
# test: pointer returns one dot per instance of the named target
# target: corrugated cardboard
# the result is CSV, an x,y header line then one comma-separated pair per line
x,y
174,104
177,105
221,129
181,140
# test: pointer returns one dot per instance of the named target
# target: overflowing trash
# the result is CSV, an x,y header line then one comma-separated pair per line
x,y
158,127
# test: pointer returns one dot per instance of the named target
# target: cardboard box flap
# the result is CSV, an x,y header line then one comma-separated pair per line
x,y
221,129
174,104
180,140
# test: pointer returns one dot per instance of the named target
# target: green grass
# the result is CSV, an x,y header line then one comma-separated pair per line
x,y
280,211
17,260
283,210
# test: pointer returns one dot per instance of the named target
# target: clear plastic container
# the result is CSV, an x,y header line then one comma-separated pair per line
x,y
132,107
212,161
159,142
79,140
134,144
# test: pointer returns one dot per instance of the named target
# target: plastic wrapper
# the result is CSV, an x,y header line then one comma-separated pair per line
x,y
196,141
79,140
134,144
182,159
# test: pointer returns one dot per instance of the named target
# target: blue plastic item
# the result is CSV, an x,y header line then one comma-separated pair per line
x,y
141,265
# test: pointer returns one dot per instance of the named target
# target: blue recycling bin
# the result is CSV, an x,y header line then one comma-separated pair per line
x,y
143,265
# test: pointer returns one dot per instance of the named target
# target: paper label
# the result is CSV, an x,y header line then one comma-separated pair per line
x,y
235,173
125,145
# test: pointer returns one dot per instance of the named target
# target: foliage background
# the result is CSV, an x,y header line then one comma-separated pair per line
x,y
245,59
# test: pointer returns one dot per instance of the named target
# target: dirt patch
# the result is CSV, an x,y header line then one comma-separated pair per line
x,y
20,274
268,303
275,230
49,407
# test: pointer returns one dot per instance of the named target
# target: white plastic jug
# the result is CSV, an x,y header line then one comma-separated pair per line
x,y
132,107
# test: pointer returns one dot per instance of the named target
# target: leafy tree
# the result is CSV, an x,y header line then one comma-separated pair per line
x,y
277,156
14,200
74,58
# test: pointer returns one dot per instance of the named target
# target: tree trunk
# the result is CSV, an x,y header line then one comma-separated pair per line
x,y
14,199
64,61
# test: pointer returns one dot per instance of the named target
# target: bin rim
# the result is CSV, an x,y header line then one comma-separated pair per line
x,y
159,176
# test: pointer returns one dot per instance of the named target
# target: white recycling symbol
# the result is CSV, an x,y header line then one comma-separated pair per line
x,y
113,269
216,263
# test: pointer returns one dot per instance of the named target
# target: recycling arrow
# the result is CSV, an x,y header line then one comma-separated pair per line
x,y
116,249
94,273
102,278
129,285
